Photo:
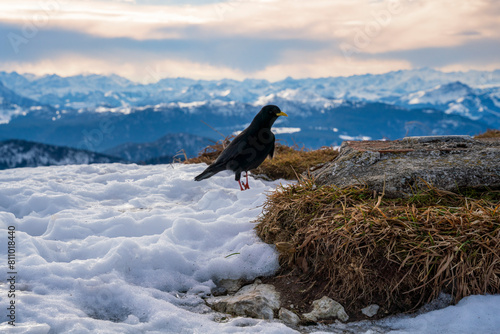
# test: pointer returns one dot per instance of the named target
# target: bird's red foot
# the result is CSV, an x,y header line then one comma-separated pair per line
x,y
247,186
243,185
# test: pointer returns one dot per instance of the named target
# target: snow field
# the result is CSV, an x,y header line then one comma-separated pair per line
x,y
133,249
127,248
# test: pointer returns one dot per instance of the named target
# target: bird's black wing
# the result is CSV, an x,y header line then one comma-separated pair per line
x,y
226,160
235,147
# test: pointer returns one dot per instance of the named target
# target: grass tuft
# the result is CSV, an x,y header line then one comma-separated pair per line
x,y
397,253
489,134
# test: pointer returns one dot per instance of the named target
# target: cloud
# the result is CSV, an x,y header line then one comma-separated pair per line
x,y
328,65
138,71
480,53
249,38
243,54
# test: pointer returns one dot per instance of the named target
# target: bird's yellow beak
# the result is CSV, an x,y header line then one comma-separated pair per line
x,y
282,114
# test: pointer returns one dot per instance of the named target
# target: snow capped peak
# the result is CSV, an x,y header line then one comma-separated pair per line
x,y
192,104
456,87
456,93
440,94
92,90
264,100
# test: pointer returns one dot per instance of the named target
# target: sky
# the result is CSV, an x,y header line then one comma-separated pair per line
x,y
146,40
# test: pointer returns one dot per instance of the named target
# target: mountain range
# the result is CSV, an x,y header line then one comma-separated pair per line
x,y
113,115
184,145
20,153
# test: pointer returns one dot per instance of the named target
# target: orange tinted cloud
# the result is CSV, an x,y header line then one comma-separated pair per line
x,y
349,36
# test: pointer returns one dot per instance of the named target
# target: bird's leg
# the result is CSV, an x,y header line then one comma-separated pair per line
x,y
247,186
241,187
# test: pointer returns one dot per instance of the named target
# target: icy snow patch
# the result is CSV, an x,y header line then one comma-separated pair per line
x,y
278,130
135,246
193,104
360,137
473,314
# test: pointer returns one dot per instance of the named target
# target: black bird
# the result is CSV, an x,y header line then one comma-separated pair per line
x,y
249,149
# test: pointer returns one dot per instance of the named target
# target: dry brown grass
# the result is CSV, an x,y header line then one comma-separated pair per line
x,y
397,253
489,134
287,163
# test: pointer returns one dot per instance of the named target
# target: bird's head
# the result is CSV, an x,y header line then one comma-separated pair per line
x,y
266,117
273,111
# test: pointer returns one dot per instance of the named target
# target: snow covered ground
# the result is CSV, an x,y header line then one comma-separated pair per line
x,y
117,248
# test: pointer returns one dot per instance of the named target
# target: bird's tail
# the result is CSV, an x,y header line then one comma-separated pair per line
x,y
209,172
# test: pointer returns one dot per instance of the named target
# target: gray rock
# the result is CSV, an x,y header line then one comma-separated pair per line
x,y
403,166
288,317
370,310
326,308
227,286
254,300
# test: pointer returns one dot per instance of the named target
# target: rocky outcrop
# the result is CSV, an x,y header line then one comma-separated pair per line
x,y
326,308
228,286
370,310
262,301
288,317
402,167
254,300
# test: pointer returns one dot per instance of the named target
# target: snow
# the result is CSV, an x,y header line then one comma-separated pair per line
x,y
225,93
115,248
191,104
440,95
360,137
281,130
414,98
6,114
473,314
100,109
264,99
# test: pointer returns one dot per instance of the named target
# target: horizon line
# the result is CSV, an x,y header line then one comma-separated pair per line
x,y
87,74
